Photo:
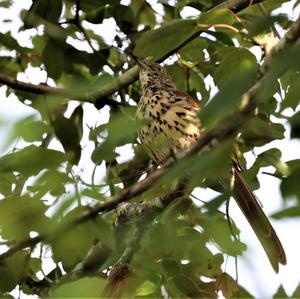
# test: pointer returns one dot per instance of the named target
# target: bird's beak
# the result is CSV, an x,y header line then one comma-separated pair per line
x,y
138,60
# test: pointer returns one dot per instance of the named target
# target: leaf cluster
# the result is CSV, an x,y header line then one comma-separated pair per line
x,y
45,184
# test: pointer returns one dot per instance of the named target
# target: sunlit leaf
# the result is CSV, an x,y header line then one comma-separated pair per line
x,y
84,287
223,16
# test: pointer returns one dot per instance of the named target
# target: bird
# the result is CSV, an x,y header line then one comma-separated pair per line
x,y
172,125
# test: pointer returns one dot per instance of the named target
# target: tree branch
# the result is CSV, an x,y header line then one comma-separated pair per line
x,y
29,87
235,5
225,129
119,82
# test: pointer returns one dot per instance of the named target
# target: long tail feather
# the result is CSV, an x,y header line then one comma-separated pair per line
x,y
258,220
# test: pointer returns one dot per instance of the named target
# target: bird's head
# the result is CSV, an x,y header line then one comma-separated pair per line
x,y
152,74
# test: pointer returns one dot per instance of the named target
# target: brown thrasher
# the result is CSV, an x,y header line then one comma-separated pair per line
x,y
174,125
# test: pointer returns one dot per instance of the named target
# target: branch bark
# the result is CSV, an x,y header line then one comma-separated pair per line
x,y
29,87
225,129
236,5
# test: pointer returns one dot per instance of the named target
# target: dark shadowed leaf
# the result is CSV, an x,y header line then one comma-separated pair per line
x,y
53,58
49,10
295,123
68,134
96,16
13,270
170,267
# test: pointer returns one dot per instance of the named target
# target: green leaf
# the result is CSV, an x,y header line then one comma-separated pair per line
x,y
6,183
67,133
53,58
143,12
91,287
185,285
31,160
209,165
233,76
288,212
218,16
12,270
296,293
30,129
227,285
260,24
82,237
116,135
123,16
148,289
19,216
178,75
158,42
217,229
292,97
235,61
295,123
6,3
96,16
49,10
258,131
51,181
194,50
170,267
9,66
9,42
271,157
285,61
197,83
290,185
281,293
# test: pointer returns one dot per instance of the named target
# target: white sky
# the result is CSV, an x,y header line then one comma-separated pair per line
x,y
255,272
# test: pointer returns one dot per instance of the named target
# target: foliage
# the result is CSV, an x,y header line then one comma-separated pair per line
x,y
43,191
